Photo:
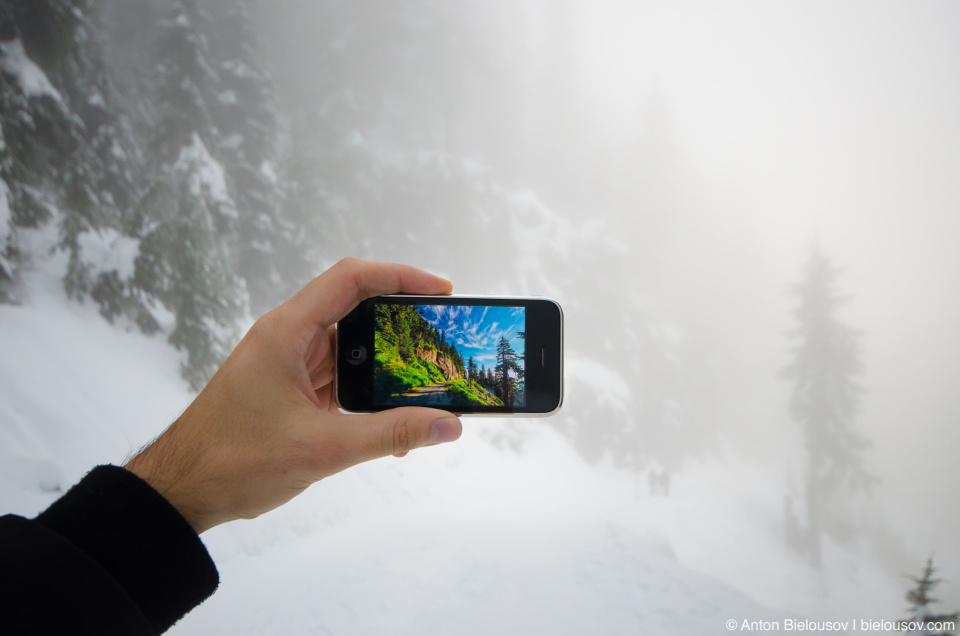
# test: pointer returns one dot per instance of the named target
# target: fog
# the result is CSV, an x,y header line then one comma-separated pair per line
x,y
714,143
748,211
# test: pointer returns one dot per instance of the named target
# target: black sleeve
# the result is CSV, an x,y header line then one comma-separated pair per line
x,y
111,556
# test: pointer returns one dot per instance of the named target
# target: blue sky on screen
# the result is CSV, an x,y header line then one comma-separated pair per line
x,y
476,330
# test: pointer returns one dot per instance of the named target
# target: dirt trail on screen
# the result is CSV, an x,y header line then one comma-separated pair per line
x,y
429,395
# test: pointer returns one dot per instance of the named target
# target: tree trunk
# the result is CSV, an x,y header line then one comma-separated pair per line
x,y
813,517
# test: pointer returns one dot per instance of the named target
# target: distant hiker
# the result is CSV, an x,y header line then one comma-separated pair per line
x,y
659,482
665,483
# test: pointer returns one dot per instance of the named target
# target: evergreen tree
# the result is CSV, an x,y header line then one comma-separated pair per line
x,y
63,155
183,267
507,361
39,135
404,324
187,84
186,219
374,134
920,599
99,179
384,325
71,149
271,250
53,35
826,396
48,28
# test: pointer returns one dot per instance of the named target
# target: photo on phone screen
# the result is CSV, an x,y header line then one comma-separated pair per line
x,y
465,354
456,357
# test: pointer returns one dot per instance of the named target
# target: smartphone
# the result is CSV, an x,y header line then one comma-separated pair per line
x,y
464,354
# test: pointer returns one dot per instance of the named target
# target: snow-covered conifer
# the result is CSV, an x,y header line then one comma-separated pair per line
x,y
268,254
921,617
186,218
39,135
826,396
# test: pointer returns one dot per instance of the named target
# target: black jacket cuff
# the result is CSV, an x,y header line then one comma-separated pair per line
x,y
140,539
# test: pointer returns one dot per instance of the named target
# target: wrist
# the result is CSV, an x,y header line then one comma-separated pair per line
x,y
170,482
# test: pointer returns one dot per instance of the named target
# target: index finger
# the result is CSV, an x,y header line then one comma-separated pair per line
x,y
334,293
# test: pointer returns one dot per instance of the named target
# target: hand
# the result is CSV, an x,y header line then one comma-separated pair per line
x,y
266,426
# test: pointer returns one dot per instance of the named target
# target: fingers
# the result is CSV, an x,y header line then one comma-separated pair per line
x,y
320,363
332,295
397,431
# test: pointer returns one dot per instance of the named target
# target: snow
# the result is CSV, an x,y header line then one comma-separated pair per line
x,y
268,171
32,80
206,175
6,226
604,383
505,531
116,151
232,142
669,333
238,68
543,233
475,170
262,246
64,403
354,139
107,250
228,98
6,217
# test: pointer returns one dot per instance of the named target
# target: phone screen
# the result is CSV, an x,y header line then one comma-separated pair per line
x,y
456,357
464,354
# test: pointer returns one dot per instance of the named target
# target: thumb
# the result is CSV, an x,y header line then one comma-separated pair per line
x,y
397,431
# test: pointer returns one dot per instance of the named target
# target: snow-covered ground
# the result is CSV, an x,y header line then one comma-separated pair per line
x,y
474,537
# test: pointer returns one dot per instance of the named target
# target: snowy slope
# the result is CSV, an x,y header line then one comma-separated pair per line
x,y
468,538
76,391
464,540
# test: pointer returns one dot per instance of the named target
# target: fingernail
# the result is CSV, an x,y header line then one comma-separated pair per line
x,y
445,429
